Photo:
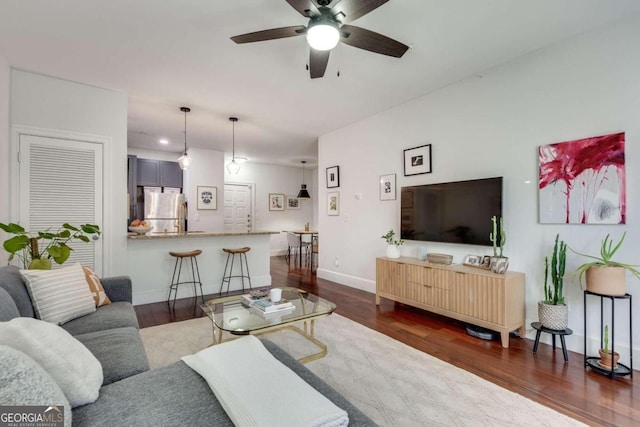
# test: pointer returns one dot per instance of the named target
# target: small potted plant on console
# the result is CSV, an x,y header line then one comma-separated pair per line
x,y
499,263
393,246
553,313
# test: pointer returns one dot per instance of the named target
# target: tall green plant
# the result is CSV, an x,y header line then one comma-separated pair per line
x,y
498,240
554,294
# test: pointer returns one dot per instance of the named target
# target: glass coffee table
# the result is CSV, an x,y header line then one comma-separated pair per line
x,y
229,314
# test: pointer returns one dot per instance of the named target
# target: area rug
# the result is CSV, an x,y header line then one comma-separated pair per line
x,y
394,384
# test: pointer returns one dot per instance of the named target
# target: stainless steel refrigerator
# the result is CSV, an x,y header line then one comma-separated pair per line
x,y
165,212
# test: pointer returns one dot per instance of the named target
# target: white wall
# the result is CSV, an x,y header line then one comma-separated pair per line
x,y
154,155
277,179
5,89
50,103
491,125
206,170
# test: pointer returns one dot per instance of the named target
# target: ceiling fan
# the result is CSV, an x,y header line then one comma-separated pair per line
x,y
327,26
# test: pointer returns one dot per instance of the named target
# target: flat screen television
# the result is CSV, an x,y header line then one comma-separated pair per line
x,y
452,212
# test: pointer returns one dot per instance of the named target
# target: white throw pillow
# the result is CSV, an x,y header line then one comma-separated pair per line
x,y
59,295
74,368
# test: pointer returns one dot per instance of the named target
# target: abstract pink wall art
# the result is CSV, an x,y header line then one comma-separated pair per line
x,y
583,181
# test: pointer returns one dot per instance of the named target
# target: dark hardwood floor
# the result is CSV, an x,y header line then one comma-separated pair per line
x,y
544,377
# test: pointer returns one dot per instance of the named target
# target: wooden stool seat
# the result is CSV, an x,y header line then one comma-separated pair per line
x,y
236,251
228,269
177,269
186,254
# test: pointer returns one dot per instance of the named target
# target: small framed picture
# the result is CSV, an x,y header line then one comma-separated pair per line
x,y
486,262
333,177
207,197
293,202
417,160
388,187
276,202
333,203
473,260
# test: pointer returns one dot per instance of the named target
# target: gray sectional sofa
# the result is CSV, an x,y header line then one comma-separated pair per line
x,y
132,394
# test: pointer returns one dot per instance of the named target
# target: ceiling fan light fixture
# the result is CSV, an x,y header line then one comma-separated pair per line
x,y
323,35
185,161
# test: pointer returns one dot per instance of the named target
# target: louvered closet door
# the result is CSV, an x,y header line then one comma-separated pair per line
x,y
61,181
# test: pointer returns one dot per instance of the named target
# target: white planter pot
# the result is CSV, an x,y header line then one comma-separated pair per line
x,y
499,264
393,251
553,316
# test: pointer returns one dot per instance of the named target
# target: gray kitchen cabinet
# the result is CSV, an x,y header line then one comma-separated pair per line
x,y
158,173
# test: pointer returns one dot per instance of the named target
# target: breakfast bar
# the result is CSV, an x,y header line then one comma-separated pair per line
x,y
151,266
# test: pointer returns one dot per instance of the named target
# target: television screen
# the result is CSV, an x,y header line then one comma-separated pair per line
x,y
453,212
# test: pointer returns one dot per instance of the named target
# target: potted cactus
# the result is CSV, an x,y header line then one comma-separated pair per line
x,y
498,262
606,356
553,313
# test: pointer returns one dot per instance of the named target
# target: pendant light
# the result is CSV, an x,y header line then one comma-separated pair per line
x,y
233,167
303,193
184,161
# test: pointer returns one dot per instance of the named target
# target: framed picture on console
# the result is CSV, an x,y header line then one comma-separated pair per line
x,y
473,260
417,160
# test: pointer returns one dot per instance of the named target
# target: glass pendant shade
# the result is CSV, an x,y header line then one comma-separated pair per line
x,y
234,166
185,161
323,36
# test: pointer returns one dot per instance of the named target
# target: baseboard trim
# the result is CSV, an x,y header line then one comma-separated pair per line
x,y
348,280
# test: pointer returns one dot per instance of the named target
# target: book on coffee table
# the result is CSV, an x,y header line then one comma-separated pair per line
x,y
269,306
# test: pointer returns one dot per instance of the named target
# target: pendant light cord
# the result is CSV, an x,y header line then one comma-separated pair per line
x,y
185,131
233,155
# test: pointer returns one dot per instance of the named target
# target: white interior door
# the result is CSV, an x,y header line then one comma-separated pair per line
x,y
237,208
60,180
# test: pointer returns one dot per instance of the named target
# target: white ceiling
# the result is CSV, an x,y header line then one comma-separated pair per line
x,y
169,53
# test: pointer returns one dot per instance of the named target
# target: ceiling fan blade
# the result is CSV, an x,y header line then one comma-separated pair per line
x,y
274,33
354,9
304,7
371,41
318,60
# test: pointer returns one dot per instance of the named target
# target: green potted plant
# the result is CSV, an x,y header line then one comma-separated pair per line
x,y
604,275
606,356
553,313
393,245
498,263
37,249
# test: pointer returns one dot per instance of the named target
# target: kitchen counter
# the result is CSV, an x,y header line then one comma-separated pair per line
x,y
195,234
151,266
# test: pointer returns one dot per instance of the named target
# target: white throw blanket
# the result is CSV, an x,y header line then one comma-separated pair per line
x,y
258,390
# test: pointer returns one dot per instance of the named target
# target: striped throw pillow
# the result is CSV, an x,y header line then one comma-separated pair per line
x,y
99,296
59,295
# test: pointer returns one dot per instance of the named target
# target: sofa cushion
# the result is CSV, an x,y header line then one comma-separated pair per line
x,y
71,364
95,287
114,315
170,396
8,307
59,295
24,382
12,282
119,351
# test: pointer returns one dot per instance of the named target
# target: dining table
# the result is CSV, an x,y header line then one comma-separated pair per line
x,y
301,233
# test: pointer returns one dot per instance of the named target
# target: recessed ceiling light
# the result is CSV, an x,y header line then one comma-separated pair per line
x,y
164,141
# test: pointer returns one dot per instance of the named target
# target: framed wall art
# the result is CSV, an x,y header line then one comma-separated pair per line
x,y
333,177
583,181
293,202
207,197
333,203
276,202
388,187
417,160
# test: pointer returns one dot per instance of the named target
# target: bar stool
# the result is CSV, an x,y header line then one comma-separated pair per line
x,y
231,253
195,274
